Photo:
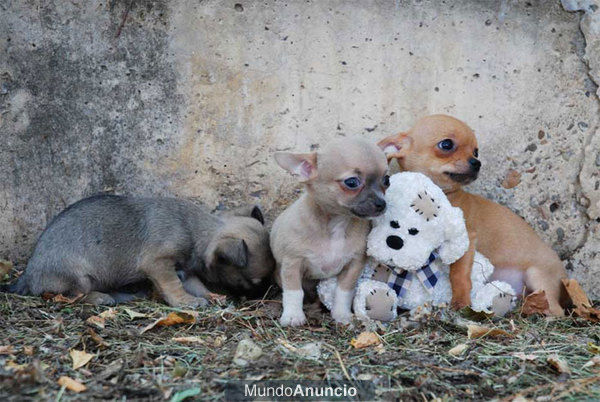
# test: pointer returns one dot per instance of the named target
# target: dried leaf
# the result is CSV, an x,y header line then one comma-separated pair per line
x,y
134,314
188,339
458,349
479,331
470,314
71,384
583,306
593,348
536,303
5,268
96,321
173,318
365,339
80,358
28,350
6,350
525,357
108,314
595,361
12,365
558,364
512,179
59,298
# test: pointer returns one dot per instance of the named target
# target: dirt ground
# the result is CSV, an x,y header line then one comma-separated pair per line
x,y
537,357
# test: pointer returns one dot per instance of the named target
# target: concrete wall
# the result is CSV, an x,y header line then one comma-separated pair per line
x,y
191,98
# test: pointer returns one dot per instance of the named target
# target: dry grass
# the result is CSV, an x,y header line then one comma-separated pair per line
x,y
412,364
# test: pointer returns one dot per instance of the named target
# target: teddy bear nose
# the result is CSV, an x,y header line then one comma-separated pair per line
x,y
394,242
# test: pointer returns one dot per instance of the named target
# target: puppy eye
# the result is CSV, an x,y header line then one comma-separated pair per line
x,y
386,181
352,182
446,145
413,231
394,224
476,152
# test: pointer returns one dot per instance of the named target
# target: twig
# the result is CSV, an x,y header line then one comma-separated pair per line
x,y
339,357
125,15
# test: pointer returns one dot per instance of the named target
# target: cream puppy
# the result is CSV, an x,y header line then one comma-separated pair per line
x,y
323,233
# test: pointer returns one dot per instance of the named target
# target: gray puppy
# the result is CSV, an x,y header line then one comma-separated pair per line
x,y
104,243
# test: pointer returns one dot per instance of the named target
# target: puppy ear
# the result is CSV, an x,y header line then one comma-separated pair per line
x,y
395,146
231,251
251,211
303,165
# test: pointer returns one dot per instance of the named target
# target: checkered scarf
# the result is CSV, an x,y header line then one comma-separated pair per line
x,y
427,274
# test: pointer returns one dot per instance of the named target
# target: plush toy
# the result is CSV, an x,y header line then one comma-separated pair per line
x,y
411,247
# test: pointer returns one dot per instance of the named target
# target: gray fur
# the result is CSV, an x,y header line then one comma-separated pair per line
x,y
106,242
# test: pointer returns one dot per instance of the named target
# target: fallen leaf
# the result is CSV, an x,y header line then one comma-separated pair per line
x,y
80,358
219,340
12,365
512,179
96,338
28,350
71,384
473,315
536,303
311,350
59,298
583,306
5,268
188,339
479,331
173,318
525,357
365,339
96,321
6,350
593,348
595,361
182,395
108,314
246,352
458,349
558,364
134,314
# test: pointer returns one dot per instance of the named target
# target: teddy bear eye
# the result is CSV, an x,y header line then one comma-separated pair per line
x,y
413,231
394,224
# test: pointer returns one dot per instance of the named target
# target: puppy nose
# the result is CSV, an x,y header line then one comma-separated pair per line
x,y
394,242
380,204
475,164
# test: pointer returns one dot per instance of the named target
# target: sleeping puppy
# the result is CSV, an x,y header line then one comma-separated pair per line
x,y
104,243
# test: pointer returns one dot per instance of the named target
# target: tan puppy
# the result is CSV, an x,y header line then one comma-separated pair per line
x,y
445,149
323,233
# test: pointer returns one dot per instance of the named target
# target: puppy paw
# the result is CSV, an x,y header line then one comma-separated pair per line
x,y
99,299
189,301
294,319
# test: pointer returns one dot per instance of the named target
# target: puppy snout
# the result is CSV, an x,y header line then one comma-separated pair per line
x,y
475,164
394,242
379,204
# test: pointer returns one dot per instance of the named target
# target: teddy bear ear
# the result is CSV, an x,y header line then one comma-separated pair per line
x,y
456,238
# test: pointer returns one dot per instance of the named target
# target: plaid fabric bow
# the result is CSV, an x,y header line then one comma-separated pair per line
x,y
427,274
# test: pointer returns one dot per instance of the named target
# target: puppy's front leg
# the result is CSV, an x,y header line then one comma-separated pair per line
x,y
291,282
460,276
164,278
344,291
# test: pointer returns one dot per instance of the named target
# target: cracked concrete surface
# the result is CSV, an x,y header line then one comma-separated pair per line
x,y
585,259
192,98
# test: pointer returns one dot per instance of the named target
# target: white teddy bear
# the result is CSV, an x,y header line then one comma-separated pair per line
x,y
411,247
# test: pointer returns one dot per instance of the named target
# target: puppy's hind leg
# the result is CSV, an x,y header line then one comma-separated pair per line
x,y
549,280
99,298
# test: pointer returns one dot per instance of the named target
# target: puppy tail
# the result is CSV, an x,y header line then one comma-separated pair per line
x,y
20,287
